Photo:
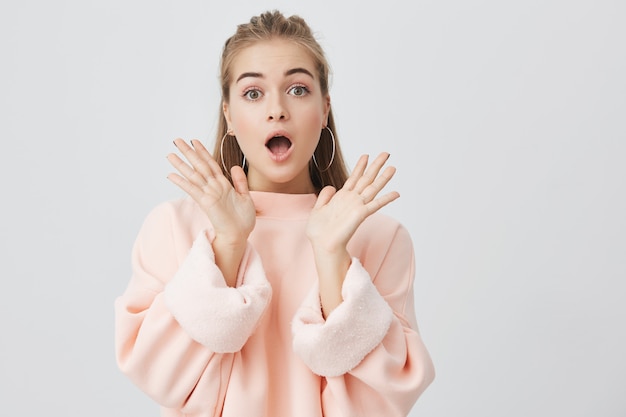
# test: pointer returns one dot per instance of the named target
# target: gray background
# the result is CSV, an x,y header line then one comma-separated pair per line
x,y
506,121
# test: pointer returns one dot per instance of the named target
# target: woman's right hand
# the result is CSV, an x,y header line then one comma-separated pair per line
x,y
230,209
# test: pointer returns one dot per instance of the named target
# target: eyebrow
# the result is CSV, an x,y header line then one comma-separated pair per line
x,y
288,72
299,71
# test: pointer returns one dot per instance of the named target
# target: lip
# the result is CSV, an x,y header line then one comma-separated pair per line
x,y
278,133
281,156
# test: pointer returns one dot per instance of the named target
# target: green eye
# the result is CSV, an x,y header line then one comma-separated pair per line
x,y
252,94
298,91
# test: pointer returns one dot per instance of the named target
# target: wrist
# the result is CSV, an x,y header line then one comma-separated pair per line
x,y
332,265
228,254
326,248
229,241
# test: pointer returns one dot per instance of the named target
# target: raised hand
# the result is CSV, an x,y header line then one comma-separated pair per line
x,y
337,214
230,209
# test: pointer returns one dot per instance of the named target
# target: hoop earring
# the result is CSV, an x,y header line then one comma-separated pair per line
x,y
332,156
222,153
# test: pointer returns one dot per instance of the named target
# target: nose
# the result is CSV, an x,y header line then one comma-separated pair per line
x,y
276,109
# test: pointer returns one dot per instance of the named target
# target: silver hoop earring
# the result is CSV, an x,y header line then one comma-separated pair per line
x,y
332,156
222,153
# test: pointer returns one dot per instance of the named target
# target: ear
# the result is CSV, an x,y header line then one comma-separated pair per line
x,y
226,111
326,105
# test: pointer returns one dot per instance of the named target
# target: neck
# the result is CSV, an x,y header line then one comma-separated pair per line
x,y
299,185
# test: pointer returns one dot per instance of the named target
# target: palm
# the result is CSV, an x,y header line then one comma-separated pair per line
x,y
230,209
230,212
337,214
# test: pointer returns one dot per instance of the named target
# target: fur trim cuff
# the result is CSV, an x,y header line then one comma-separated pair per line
x,y
215,315
359,324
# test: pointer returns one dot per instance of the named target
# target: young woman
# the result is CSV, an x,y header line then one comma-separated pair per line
x,y
274,288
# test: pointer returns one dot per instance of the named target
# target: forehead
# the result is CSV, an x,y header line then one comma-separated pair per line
x,y
273,56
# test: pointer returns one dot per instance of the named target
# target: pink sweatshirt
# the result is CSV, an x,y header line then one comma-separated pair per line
x,y
201,348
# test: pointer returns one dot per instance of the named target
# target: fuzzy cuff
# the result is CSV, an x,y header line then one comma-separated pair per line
x,y
359,324
217,316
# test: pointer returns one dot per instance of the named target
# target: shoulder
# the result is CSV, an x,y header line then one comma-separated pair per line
x,y
380,226
173,208
378,234
175,217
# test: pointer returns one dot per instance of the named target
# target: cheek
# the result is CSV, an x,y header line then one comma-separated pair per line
x,y
242,119
241,125
313,121
313,116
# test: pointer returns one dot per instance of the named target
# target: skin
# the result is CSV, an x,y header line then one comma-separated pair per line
x,y
275,89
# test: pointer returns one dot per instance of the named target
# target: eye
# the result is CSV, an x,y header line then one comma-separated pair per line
x,y
298,91
252,94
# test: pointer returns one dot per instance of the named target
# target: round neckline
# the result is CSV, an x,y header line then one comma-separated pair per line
x,y
284,206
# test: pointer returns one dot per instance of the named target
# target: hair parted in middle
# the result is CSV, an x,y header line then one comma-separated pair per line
x,y
274,25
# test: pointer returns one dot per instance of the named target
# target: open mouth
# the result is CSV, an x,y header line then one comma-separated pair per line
x,y
278,145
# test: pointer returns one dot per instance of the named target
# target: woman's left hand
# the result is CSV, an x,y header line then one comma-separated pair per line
x,y
337,214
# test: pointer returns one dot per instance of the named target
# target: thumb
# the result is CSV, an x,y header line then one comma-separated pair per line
x,y
325,195
240,181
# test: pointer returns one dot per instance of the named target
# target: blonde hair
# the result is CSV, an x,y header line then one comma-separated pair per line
x,y
267,26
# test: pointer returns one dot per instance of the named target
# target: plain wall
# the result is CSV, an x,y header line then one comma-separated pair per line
x,y
506,121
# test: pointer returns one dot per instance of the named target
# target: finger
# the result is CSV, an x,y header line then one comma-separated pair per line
x,y
240,181
356,173
380,202
194,159
324,196
369,176
371,191
186,171
206,156
186,186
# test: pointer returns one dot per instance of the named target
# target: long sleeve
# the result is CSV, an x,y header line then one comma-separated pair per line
x,y
177,323
217,316
369,349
